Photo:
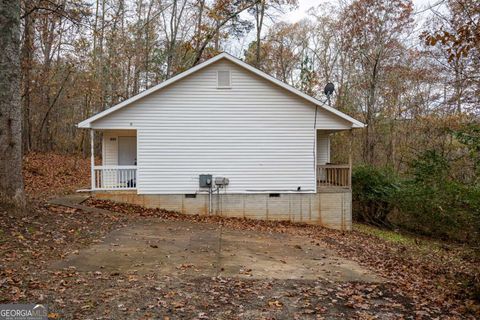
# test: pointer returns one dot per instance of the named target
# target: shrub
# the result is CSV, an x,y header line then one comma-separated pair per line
x,y
433,210
427,201
434,204
374,192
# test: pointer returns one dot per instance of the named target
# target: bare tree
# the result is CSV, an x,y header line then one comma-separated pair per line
x,y
265,9
371,33
223,13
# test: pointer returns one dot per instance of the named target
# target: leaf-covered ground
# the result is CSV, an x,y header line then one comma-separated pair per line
x,y
426,279
49,174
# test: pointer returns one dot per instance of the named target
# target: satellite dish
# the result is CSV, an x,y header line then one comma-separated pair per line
x,y
329,89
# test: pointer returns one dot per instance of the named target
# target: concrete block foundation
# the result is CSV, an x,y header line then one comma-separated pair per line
x,y
329,209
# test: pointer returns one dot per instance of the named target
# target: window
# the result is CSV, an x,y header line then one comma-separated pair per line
x,y
223,79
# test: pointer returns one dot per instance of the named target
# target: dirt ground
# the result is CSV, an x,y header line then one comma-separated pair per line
x,y
179,248
128,262
184,269
102,260
99,264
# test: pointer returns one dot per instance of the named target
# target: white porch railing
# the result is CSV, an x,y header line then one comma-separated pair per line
x,y
334,175
114,178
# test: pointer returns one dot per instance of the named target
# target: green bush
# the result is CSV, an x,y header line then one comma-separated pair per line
x,y
427,201
434,204
442,211
374,192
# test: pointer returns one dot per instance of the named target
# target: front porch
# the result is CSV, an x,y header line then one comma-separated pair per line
x,y
115,178
333,177
118,170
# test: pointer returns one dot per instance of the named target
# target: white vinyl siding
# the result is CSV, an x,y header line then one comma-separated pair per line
x,y
323,148
257,134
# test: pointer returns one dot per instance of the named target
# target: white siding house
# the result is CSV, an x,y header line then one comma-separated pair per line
x,y
223,118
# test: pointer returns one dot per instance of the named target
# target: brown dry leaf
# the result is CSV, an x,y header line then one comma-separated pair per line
x,y
275,303
53,315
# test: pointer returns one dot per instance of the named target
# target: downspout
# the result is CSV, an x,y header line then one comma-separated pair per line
x,y
210,200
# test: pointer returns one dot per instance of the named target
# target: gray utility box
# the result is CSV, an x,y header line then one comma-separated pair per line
x,y
222,181
205,180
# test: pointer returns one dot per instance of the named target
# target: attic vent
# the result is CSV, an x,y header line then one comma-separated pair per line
x,y
223,79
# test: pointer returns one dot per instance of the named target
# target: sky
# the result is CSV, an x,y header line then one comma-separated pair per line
x,y
237,47
304,5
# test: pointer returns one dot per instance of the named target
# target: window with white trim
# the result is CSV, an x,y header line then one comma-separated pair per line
x,y
224,79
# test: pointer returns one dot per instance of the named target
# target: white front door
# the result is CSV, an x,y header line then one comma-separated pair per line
x,y
127,151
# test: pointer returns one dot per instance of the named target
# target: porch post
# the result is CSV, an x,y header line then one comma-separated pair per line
x,y
92,158
350,157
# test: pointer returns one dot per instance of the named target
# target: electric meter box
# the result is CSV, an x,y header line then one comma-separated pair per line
x,y
222,181
205,180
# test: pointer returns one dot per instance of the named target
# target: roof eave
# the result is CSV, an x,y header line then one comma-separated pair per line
x,y
85,124
358,126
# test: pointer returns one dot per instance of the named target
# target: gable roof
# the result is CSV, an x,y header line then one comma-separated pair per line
x,y
87,123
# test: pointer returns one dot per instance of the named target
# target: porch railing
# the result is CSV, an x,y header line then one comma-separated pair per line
x,y
114,178
334,175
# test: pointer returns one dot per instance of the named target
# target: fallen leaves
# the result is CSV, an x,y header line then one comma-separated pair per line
x,y
185,266
48,174
275,303
423,284
430,278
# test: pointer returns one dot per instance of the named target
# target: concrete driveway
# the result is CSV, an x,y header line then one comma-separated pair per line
x,y
200,249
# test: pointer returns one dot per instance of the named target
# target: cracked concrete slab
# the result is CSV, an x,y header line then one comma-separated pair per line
x,y
201,249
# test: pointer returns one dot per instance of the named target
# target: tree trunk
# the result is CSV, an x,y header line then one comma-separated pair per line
x,y
260,12
27,64
369,150
172,38
198,31
11,181
212,35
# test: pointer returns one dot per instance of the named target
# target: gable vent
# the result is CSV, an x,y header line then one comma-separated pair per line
x,y
223,79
